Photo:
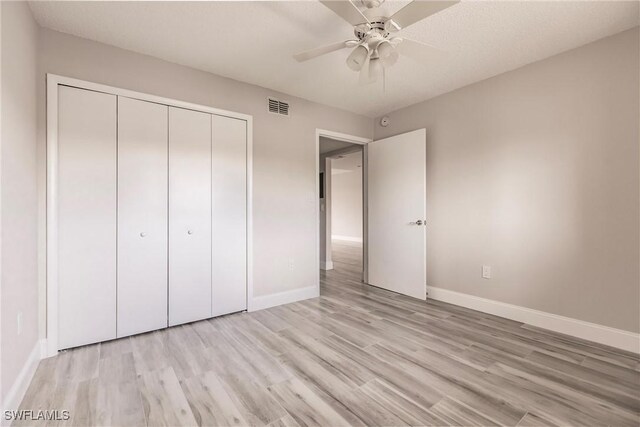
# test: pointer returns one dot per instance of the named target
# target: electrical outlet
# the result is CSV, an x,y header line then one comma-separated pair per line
x,y
290,263
486,272
19,322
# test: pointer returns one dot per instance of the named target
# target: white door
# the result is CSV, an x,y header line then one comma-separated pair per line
x,y
86,195
189,216
229,215
142,216
396,170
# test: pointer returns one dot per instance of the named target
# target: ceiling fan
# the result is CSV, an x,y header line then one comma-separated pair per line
x,y
377,46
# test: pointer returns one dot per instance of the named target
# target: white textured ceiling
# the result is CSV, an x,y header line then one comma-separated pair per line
x,y
328,145
254,41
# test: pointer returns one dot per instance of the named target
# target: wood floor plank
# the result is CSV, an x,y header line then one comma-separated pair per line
x,y
117,368
589,348
210,404
535,420
509,335
613,370
115,347
304,406
612,386
394,373
266,368
574,407
270,320
400,405
370,411
256,404
458,414
286,421
118,403
355,372
78,364
264,337
467,385
149,353
163,400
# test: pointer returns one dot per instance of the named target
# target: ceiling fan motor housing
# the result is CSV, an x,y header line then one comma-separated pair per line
x,y
378,26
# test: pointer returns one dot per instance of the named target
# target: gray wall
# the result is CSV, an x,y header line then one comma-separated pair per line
x,y
18,262
346,197
284,150
535,173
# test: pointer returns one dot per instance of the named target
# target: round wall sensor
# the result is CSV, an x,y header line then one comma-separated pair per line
x,y
384,122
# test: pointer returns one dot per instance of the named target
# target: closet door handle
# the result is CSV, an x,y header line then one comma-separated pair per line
x,y
143,234
189,232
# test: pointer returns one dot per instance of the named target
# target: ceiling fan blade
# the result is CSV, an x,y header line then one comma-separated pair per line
x,y
313,53
346,10
416,11
419,51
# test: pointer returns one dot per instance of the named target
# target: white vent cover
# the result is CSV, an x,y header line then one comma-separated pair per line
x,y
278,107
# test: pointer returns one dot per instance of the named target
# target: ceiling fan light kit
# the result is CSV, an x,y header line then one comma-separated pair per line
x,y
358,57
375,48
387,53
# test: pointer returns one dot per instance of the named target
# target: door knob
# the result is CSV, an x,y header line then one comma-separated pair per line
x,y
419,222
143,234
190,232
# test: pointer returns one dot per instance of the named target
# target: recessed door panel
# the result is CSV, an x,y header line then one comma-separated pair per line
x,y
86,195
229,215
142,216
189,216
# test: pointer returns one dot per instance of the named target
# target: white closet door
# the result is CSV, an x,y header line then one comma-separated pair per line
x,y
142,216
229,215
189,216
86,217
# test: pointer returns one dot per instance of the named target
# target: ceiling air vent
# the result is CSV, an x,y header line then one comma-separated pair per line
x,y
278,107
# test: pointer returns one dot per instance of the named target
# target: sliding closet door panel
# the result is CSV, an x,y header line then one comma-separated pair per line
x,y
189,216
86,217
142,216
229,215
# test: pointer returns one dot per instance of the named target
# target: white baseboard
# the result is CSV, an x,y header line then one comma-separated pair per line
x,y
346,238
613,337
259,303
326,265
15,394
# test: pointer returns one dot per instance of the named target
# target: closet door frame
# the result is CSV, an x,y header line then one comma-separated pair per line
x,y
53,82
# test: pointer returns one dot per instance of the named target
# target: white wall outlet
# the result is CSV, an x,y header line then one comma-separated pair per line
x,y
290,263
486,272
19,322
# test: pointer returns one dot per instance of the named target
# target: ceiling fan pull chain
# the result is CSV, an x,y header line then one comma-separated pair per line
x,y
384,80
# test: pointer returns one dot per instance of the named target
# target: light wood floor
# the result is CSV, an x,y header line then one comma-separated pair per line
x,y
357,355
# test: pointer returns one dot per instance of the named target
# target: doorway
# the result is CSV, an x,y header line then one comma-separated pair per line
x,y
390,252
341,222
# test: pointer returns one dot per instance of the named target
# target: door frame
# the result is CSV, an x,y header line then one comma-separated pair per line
x,y
353,140
51,252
